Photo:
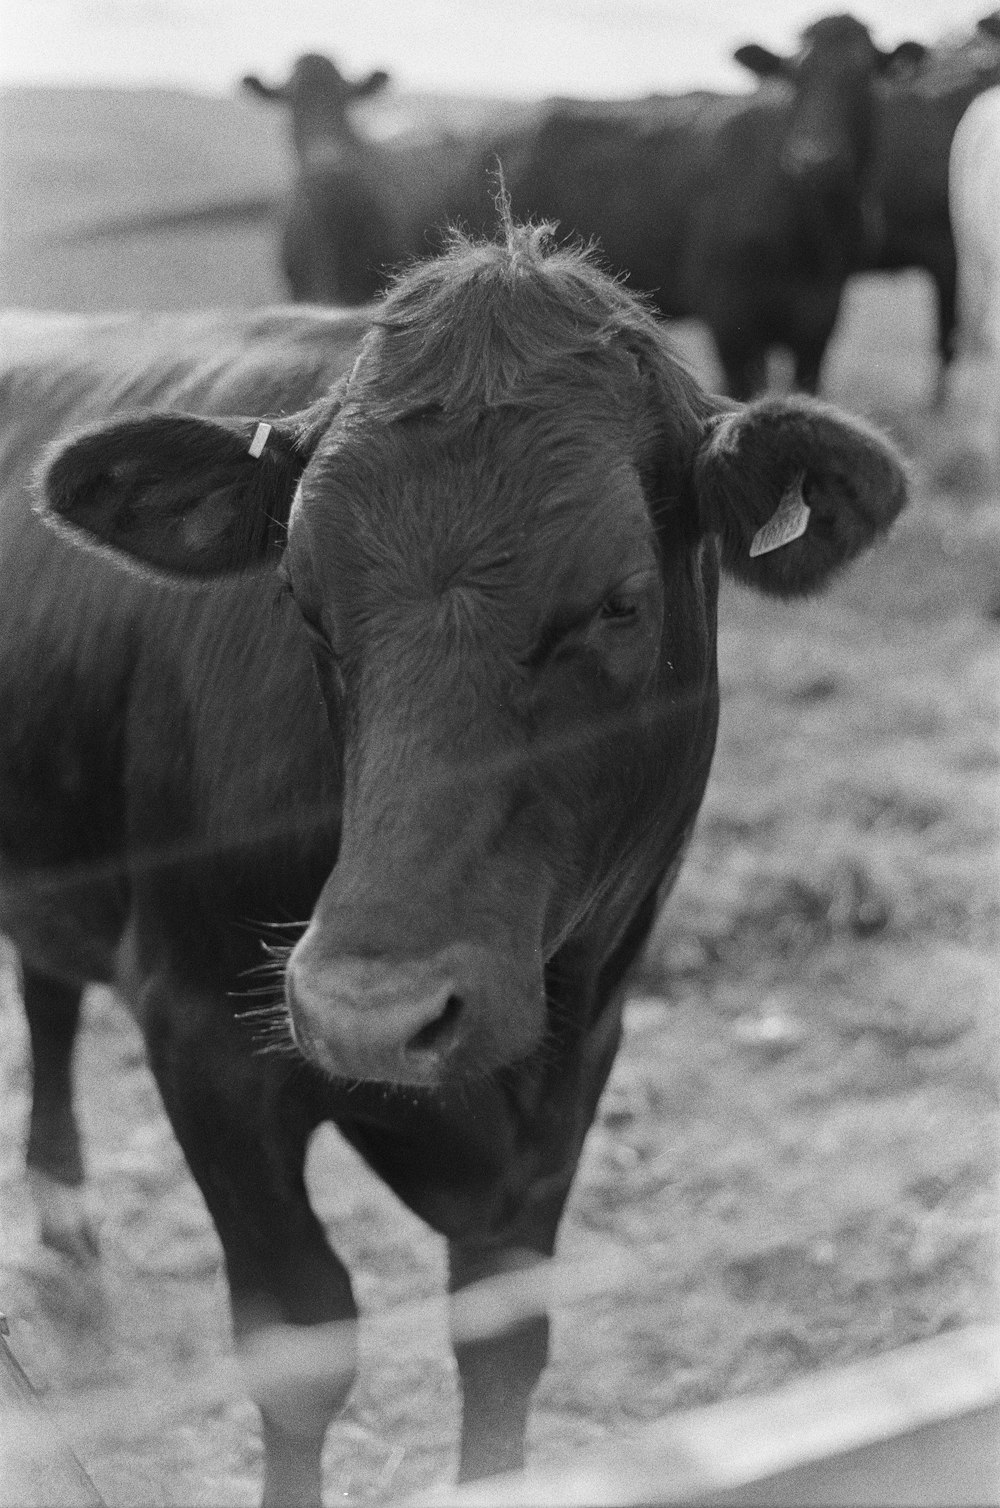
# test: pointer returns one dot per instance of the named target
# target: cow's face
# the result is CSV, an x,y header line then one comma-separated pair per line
x,y
828,140
318,97
503,541
487,599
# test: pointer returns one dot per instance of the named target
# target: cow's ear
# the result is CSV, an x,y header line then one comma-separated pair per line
x,y
373,84
794,489
990,25
902,62
275,94
761,61
182,495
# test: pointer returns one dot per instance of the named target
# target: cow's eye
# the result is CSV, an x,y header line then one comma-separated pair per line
x,y
318,635
624,631
320,640
620,607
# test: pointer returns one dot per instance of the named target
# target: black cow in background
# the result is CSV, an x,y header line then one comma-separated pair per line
x,y
747,212
319,100
358,208
917,119
422,659
327,240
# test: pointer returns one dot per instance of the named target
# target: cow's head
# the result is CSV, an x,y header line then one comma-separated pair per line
x,y
829,137
503,537
319,99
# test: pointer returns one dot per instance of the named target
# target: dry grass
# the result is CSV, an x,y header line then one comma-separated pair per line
x,y
801,1130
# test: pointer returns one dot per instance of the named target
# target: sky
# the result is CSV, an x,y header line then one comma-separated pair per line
x,y
513,47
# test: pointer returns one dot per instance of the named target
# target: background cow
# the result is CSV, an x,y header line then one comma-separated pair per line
x,y
974,188
441,689
917,118
359,208
748,213
744,211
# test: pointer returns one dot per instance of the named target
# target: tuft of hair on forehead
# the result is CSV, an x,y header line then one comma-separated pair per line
x,y
488,322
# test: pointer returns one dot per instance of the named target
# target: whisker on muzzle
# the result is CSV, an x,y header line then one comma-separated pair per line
x,y
268,1026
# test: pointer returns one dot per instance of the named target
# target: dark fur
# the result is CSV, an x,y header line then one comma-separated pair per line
x,y
710,202
358,209
463,732
690,196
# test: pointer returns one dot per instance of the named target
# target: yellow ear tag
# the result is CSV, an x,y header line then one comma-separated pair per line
x,y
788,521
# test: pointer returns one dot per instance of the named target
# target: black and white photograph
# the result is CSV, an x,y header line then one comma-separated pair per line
x,y
499,753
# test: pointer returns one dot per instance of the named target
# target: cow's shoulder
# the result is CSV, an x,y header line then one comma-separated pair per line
x,y
61,371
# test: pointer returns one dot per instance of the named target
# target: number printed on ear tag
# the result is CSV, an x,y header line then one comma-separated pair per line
x,y
788,521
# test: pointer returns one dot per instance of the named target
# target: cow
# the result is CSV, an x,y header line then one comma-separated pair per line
x,y
393,635
916,121
974,193
746,211
974,196
329,240
359,208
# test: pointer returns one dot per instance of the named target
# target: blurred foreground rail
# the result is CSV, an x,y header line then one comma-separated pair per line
x,y
286,1355
36,1466
918,1425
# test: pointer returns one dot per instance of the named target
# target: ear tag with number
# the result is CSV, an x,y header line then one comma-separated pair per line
x,y
788,521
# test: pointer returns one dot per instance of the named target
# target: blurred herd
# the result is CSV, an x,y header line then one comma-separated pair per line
x,y
748,211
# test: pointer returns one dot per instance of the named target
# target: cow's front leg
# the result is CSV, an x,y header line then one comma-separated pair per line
x,y
499,1372
55,1166
243,1125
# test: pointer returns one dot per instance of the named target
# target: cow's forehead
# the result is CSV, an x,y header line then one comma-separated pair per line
x,y
499,479
545,525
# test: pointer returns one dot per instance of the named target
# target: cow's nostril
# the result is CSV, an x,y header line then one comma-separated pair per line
x,y
438,1035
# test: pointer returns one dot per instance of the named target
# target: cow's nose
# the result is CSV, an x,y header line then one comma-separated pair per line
x,y
368,1019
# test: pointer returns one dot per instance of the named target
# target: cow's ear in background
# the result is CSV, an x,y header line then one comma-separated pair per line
x,y
181,495
275,94
794,489
902,62
373,84
761,61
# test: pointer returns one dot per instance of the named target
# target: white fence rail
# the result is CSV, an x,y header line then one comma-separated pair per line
x,y
949,1384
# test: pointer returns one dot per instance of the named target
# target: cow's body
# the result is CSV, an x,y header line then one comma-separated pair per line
x,y
748,212
359,212
974,188
60,374
688,195
449,710
917,117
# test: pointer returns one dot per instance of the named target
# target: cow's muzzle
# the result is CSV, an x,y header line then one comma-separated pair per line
x,y
461,1011
808,159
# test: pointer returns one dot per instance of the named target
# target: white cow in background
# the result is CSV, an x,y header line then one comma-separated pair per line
x,y
974,195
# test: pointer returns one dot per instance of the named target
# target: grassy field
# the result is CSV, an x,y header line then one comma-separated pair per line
x,y
800,1134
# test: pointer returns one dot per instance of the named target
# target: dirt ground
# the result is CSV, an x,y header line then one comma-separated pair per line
x,y
800,1134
